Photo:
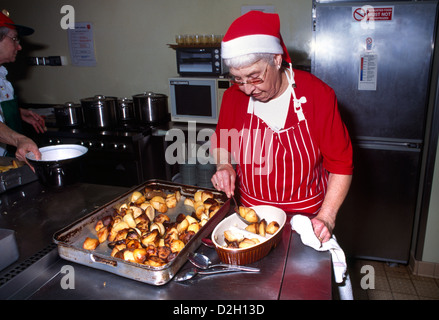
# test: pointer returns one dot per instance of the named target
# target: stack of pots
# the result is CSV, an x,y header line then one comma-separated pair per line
x,y
151,107
100,111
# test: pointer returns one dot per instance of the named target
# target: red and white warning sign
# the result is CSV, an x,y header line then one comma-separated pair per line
x,y
370,13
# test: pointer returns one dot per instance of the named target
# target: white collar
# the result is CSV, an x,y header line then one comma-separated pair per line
x,y
3,72
274,112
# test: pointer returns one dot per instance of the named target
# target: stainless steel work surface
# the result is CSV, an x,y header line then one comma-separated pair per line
x,y
97,284
290,271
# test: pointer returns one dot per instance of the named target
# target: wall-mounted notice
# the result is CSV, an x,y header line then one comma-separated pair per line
x,y
81,44
367,75
370,13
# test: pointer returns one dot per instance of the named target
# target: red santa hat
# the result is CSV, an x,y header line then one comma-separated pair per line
x,y
254,32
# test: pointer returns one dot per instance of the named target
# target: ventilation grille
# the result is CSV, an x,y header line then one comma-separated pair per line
x,y
25,264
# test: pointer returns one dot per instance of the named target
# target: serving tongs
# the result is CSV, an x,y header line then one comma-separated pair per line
x,y
192,272
203,262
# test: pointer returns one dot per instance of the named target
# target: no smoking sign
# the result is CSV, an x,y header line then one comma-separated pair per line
x,y
359,14
369,13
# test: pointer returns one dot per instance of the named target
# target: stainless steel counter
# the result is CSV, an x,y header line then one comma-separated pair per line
x,y
290,271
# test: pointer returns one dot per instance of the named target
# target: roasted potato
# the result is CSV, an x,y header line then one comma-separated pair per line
x,y
206,195
90,243
163,252
159,226
232,237
248,243
140,255
103,234
151,237
140,231
182,226
262,228
155,261
161,218
176,245
272,227
135,196
189,202
159,204
248,214
150,193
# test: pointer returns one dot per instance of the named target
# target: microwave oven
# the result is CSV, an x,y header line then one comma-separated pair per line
x,y
196,99
200,61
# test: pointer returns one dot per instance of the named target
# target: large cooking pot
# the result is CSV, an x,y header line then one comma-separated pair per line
x,y
60,165
125,112
151,107
99,111
68,115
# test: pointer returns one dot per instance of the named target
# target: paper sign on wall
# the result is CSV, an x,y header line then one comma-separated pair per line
x,y
367,75
81,44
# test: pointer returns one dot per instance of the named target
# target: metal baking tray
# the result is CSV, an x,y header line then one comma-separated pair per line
x,y
15,177
70,239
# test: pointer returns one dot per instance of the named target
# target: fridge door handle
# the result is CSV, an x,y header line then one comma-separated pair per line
x,y
374,144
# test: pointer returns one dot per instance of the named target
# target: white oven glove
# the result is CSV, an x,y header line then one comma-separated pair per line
x,y
303,226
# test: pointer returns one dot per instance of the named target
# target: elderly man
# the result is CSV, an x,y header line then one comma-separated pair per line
x,y
10,114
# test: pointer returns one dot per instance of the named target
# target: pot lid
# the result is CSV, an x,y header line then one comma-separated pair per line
x,y
125,100
67,105
152,95
71,105
99,98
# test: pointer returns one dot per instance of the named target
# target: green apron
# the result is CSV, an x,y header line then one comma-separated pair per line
x,y
12,116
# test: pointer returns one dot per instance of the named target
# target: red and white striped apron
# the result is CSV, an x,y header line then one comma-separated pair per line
x,y
280,168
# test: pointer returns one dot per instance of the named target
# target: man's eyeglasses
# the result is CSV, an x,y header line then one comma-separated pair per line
x,y
15,39
252,81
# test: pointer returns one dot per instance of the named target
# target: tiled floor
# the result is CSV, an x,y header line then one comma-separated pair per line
x,y
390,282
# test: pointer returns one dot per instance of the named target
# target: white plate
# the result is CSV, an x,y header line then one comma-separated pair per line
x,y
59,152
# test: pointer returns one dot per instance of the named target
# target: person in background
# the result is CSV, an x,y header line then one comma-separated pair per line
x,y
10,115
292,149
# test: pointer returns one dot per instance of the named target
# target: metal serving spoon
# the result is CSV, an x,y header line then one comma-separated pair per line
x,y
237,212
192,272
203,262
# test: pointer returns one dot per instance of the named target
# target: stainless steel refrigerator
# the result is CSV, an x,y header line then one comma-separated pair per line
x,y
381,70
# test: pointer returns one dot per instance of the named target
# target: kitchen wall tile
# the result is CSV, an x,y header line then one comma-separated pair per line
x,y
426,269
